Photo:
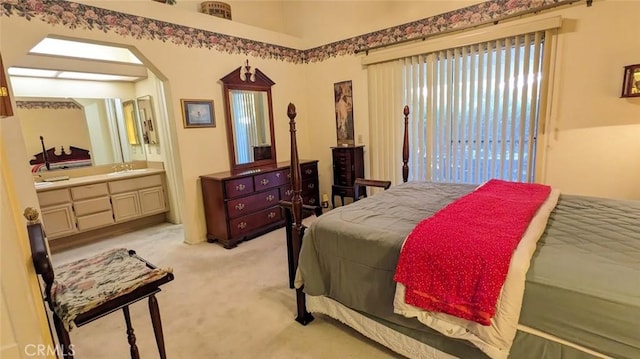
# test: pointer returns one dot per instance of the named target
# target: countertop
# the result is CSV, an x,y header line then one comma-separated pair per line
x,y
105,177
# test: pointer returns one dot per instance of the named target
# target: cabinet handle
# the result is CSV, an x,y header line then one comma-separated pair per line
x,y
289,192
278,174
270,198
289,175
240,187
312,200
311,185
240,206
308,171
242,225
264,182
271,214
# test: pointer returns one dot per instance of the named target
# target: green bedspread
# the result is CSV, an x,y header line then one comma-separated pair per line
x,y
350,255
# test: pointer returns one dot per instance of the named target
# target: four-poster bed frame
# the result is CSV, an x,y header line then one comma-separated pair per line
x,y
293,210
587,240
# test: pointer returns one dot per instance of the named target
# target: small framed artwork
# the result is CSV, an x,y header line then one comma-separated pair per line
x,y
198,113
631,81
343,96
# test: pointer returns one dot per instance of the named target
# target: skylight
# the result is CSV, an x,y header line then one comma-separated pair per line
x,y
84,50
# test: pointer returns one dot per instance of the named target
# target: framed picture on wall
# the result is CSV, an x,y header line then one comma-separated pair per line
x,y
631,81
198,113
343,97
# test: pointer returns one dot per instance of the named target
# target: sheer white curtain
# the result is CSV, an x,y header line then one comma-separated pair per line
x,y
474,110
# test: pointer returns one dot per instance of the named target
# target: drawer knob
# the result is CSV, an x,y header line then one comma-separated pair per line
x,y
312,200
271,214
240,206
289,192
270,198
242,225
311,185
240,187
264,182
278,174
308,171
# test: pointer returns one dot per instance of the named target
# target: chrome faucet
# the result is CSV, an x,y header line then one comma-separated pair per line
x,y
123,167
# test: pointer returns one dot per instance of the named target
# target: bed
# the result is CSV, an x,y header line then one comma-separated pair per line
x,y
582,289
49,160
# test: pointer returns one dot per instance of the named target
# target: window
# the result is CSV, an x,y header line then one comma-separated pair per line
x,y
475,110
478,109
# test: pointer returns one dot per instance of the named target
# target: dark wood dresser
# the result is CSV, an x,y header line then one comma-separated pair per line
x,y
243,206
348,164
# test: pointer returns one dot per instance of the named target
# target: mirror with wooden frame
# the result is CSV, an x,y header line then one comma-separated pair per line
x,y
249,116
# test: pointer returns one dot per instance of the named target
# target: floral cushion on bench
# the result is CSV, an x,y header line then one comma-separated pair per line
x,y
86,284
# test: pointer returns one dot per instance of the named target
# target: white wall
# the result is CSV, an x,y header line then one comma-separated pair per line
x,y
594,137
59,127
26,323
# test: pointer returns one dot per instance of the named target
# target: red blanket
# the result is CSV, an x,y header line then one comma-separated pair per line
x,y
457,260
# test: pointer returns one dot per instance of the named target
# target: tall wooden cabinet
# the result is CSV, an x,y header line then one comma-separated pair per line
x,y
348,164
243,206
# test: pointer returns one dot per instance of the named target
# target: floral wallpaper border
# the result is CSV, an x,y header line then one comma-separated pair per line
x,y
79,16
49,105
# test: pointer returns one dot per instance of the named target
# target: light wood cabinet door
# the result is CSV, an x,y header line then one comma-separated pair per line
x,y
58,220
152,200
126,206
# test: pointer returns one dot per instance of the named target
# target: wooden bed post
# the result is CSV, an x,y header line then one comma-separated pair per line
x,y
405,146
44,154
303,317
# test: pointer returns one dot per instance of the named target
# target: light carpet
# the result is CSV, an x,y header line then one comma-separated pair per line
x,y
222,304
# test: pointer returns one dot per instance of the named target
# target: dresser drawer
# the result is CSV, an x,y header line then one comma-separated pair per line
x,y
247,224
93,205
58,196
133,184
238,187
308,185
95,220
241,206
271,179
89,191
310,199
309,171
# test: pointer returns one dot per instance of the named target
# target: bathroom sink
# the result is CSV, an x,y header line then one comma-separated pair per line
x,y
127,172
42,184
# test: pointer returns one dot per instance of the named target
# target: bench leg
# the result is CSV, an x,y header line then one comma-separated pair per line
x,y
157,325
63,337
130,336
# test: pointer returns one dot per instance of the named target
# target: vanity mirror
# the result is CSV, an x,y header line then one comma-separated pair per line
x,y
107,130
249,116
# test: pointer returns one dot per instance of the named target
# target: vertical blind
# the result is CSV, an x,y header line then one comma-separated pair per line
x,y
474,111
244,124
